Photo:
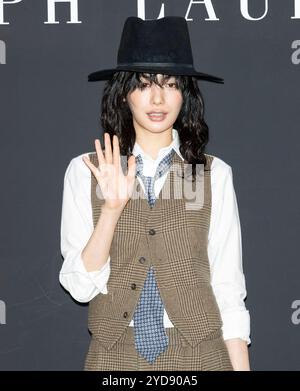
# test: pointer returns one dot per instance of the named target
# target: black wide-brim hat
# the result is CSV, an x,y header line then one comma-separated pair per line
x,y
155,46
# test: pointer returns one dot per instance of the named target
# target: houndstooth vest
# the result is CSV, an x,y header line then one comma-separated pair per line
x,y
174,240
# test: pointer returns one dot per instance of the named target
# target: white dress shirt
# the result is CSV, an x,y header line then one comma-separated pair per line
x,y
224,239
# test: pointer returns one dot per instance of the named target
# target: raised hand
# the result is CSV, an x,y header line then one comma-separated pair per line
x,y
116,187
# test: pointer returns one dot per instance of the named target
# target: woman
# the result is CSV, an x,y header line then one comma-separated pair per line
x,y
164,283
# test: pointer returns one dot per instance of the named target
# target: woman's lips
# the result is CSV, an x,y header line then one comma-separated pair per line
x,y
157,117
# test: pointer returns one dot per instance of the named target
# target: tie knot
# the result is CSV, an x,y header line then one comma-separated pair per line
x,y
148,181
162,167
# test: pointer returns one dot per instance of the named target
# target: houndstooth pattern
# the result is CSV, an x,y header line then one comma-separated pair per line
x,y
150,336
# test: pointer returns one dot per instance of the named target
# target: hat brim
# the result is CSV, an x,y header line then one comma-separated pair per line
x,y
106,74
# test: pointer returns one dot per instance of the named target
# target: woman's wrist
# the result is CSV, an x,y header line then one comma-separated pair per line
x,y
113,212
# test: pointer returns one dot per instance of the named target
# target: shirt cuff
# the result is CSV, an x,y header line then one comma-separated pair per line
x,y
100,277
83,285
236,324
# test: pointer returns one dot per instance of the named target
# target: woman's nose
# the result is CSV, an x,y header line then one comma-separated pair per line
x,y
157,93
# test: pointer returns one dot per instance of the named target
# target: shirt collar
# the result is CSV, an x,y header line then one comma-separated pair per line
x,y
175,144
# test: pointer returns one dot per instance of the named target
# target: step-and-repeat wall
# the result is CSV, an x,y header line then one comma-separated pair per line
x,y
49,113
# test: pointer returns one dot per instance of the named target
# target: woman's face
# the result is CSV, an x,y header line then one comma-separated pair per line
x,y
166,99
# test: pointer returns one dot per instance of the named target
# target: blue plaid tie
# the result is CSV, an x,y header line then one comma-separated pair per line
x,y
150,336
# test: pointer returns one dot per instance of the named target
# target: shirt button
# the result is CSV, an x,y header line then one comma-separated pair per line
x,y
133,286
151,231
125,314
142,260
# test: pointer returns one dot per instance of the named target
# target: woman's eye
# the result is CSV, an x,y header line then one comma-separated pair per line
x,y
172,84
143,85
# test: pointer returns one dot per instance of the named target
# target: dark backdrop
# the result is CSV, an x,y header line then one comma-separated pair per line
x,y
49,114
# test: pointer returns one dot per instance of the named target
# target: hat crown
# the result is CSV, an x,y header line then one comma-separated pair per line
x,y
164,40
157,46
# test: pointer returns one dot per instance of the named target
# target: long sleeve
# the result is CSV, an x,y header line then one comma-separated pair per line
x,y
76,229
225,255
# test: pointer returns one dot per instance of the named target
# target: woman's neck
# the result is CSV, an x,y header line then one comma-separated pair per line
x,y
151,143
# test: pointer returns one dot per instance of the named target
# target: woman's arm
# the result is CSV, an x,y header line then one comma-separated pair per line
x,y
85,249
225,255
112,182
238,353
76,229
96,251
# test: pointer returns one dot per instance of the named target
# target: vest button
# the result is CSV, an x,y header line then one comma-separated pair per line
x,y
133,286
152,231
125,314
142,260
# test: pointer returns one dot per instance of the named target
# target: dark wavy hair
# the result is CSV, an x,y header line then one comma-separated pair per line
x,y
116,116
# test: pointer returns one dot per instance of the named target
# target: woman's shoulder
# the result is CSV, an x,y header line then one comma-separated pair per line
x,y
217,164
220,170
222,184
77,169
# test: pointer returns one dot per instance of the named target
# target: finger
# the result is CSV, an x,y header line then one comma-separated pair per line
x,y
116,153
108,153
101,158
131,166
90,165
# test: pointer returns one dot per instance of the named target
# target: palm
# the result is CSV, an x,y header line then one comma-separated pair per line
x,y
116,188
